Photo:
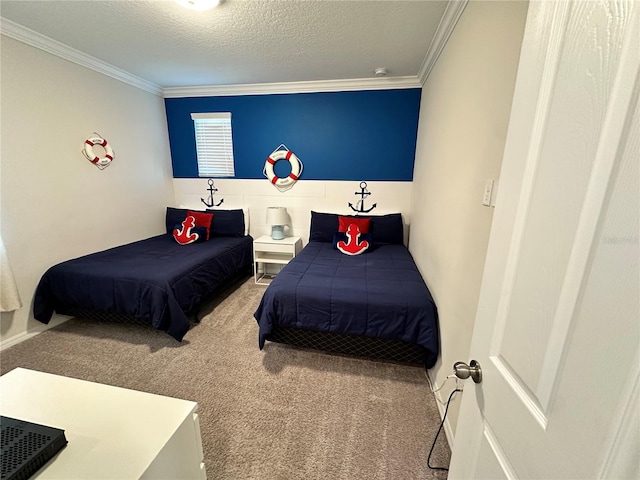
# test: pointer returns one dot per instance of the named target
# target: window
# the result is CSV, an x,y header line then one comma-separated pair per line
x,y
214,145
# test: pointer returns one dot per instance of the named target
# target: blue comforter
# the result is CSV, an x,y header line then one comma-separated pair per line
x,y
376,294
156,280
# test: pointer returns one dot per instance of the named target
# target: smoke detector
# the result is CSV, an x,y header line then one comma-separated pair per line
x,y
380,71
199,5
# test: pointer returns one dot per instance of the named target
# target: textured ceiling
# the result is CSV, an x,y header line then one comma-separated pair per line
x,y
241,41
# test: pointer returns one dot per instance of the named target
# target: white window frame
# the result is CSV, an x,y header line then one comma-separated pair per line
x,y
214,144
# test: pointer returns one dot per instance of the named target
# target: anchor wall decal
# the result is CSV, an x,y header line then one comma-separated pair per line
x,y
364,194
210,203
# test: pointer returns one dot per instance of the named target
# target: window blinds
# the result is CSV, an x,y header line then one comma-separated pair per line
x,y
214,145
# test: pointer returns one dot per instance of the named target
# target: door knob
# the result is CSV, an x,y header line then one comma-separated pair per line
x,y
463,371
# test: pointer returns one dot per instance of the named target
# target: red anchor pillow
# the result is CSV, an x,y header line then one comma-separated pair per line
x,y
202,220
351,241
188,232
362,222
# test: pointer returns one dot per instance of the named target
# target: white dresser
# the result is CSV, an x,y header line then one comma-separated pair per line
x,y
112,432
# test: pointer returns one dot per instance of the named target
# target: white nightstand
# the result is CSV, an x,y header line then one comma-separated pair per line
x,y
267,251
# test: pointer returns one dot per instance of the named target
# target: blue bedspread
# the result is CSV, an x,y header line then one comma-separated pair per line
x,y
156,280
376,294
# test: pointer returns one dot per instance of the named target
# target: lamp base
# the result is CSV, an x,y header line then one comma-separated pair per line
x,y
277,232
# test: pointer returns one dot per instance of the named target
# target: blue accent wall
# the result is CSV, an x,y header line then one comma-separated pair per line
x,y
363,135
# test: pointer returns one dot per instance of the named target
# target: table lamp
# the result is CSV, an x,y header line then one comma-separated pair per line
x,y
277,217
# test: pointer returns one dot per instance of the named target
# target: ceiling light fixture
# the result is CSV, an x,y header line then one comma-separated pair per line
x,y
199,5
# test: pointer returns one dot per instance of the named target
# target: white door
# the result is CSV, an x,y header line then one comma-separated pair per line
x,y
557,328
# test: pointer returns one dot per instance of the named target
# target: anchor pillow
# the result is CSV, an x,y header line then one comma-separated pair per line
x,y
202,220
342,236
362,222
175,216
352,242
187,232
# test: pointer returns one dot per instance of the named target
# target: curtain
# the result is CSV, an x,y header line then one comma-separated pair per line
x,y
9,296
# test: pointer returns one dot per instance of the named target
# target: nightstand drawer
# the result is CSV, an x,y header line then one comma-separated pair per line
x,y
273,247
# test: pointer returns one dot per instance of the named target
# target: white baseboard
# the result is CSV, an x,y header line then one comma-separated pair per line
x,y
16,339
21,337
441,409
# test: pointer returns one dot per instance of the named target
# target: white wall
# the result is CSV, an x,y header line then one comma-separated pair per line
x,y
55,204
464,116
304,196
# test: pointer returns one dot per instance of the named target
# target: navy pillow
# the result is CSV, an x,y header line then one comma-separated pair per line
x,y
387,229
323,226
338,236
174,216
227,223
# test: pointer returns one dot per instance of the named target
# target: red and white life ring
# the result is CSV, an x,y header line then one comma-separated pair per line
x,y
288,181
88,152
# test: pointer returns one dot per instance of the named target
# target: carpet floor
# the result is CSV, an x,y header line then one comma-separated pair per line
x,y
280,413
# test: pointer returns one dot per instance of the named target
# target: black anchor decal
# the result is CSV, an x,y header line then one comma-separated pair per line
x,y
212,190
364,194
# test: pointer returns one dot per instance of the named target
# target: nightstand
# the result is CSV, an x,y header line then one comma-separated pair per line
x,y
267,251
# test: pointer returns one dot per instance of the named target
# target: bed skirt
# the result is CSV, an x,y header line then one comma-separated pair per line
x,y
194,315
98,316
378,348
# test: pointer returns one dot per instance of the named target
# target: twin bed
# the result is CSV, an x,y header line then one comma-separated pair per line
x,y
373,304
155,281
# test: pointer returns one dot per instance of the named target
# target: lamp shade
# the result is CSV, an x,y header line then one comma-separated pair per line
x,y
277,217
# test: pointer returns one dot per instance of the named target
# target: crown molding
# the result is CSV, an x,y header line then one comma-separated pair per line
x,y
445,28
30,37
35,39
387,83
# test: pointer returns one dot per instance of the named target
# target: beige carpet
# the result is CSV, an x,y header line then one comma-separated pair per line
x,y
280,413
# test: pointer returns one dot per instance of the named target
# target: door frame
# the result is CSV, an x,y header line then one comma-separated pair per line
x,y
541,48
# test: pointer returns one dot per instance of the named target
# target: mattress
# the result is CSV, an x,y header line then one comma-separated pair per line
x,y
379,294
155,280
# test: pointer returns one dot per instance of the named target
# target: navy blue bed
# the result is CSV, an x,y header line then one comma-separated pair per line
x,y
155,280
378,294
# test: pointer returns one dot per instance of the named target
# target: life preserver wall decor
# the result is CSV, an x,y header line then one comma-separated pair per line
x,y
282,153
88,152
